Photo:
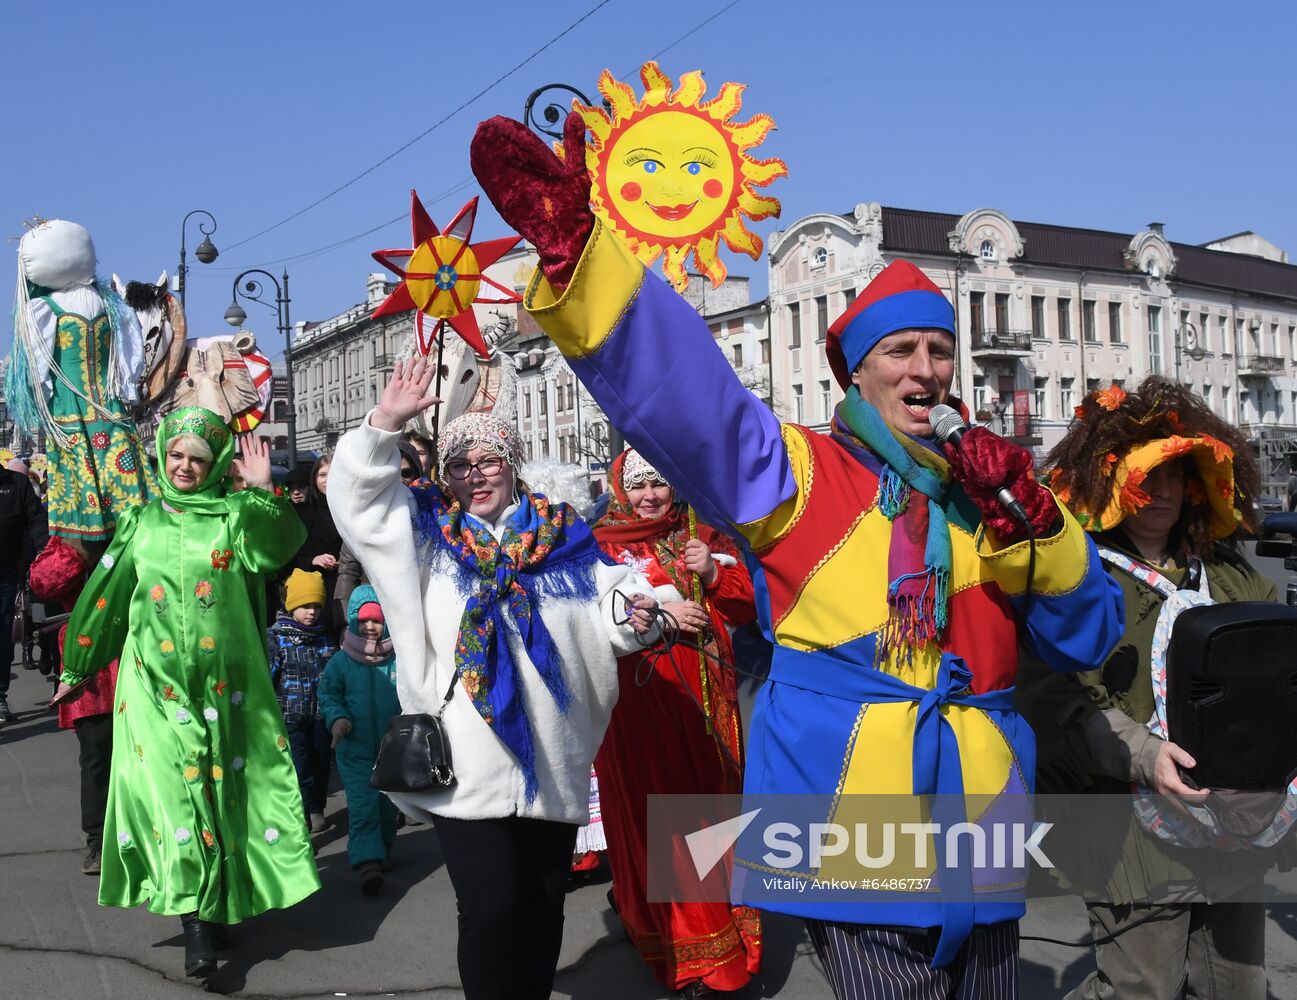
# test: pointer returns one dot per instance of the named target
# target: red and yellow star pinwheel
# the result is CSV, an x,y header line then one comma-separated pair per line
x,y
442,274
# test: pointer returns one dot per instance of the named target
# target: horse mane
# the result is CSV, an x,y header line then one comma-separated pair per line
x,y
144,295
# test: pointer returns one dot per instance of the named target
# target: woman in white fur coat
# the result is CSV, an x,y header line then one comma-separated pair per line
x,y
501,601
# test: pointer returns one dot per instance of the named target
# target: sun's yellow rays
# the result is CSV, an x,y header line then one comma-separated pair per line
x,y
671,173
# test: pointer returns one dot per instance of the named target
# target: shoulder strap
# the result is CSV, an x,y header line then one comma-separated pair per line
x,y
1139,571
450,693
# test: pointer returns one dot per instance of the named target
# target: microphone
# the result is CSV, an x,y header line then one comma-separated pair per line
x,y
948,428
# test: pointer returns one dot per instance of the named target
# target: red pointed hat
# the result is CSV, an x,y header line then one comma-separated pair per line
x,y
901,298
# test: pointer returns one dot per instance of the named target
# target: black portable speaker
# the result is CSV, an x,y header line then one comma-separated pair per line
x,y
1231,694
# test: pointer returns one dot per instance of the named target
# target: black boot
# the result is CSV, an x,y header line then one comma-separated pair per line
x,y
220,935
200,958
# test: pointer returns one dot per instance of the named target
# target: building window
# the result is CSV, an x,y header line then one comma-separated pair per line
x,y
1089,329
526,403
821,317
1001,313
976,319
988,250
826,401
1064,319
1204,331
795,319
1222,334
1155,339
1292,341
1207,396
848,297
1066,405
1041,387
1224,402
765,351
738,356
1038,317
542,397
1114,322
819,257
1274,339
799,405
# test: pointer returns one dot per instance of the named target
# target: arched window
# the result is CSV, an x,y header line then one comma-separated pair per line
x,y
819,257
988,250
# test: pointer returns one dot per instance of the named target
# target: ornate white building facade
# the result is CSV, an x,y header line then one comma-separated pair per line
x,y
1047,313
558,419
341,364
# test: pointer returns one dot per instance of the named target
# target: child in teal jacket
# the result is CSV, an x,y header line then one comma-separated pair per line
x,y
357,696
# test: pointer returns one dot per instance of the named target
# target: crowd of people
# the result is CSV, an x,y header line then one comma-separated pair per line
x,y
232,641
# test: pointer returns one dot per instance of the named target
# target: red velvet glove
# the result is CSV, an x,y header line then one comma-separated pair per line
x,y
58,572
545,199
983,464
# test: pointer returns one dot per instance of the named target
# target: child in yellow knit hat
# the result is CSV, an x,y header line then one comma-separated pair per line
x,y
300,647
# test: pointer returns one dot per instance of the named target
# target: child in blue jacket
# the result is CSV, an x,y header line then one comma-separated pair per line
x,y
300,648
358,697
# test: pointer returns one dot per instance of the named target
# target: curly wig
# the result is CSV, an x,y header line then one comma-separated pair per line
x,y
1086,465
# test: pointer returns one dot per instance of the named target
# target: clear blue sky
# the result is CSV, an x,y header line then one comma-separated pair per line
x,y
125,116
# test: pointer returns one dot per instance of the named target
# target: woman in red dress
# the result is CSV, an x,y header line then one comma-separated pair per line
x,y
676,729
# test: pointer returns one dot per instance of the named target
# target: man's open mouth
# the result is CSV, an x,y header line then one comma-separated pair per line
x,y
919,402
672,213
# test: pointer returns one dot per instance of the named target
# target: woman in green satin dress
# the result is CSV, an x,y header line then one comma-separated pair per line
x,y
204,813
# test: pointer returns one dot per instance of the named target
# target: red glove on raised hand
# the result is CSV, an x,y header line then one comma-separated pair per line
x,y
547,200
983,464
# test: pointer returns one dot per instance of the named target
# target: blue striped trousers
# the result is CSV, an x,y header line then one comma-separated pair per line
x,y
865,962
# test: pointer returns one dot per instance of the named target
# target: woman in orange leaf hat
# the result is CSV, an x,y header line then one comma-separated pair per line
x,y
675,728
1165,487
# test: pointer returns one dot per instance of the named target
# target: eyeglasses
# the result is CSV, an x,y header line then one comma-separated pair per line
x,y
489,466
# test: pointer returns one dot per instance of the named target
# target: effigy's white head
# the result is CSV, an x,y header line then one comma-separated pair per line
x,y
57,254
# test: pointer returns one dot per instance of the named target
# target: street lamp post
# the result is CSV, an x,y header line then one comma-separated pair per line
x,y
206,252
235,316
553,113
1186,342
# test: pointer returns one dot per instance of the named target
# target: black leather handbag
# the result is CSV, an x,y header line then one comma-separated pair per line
x,y
415,753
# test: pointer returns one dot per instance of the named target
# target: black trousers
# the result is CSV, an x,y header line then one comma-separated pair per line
x,y
11,581
308,740
95,734
509,876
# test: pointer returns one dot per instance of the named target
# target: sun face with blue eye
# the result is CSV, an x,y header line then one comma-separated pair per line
x,y
671,174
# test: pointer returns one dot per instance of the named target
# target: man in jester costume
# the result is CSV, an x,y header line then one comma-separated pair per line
x,y
889,578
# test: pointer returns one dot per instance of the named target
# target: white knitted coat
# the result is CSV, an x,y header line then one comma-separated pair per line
x,y
422,603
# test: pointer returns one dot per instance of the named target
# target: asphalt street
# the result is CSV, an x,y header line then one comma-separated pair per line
x,y
56,942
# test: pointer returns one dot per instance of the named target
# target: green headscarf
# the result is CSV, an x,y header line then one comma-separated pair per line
x,y
210,497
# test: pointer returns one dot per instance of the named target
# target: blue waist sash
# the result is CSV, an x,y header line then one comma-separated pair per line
x,y
936,761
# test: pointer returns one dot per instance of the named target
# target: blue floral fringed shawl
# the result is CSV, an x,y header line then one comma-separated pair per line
x,y
546,550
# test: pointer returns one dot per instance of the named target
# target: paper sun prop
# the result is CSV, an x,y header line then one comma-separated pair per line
x,y
442,275
670,174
